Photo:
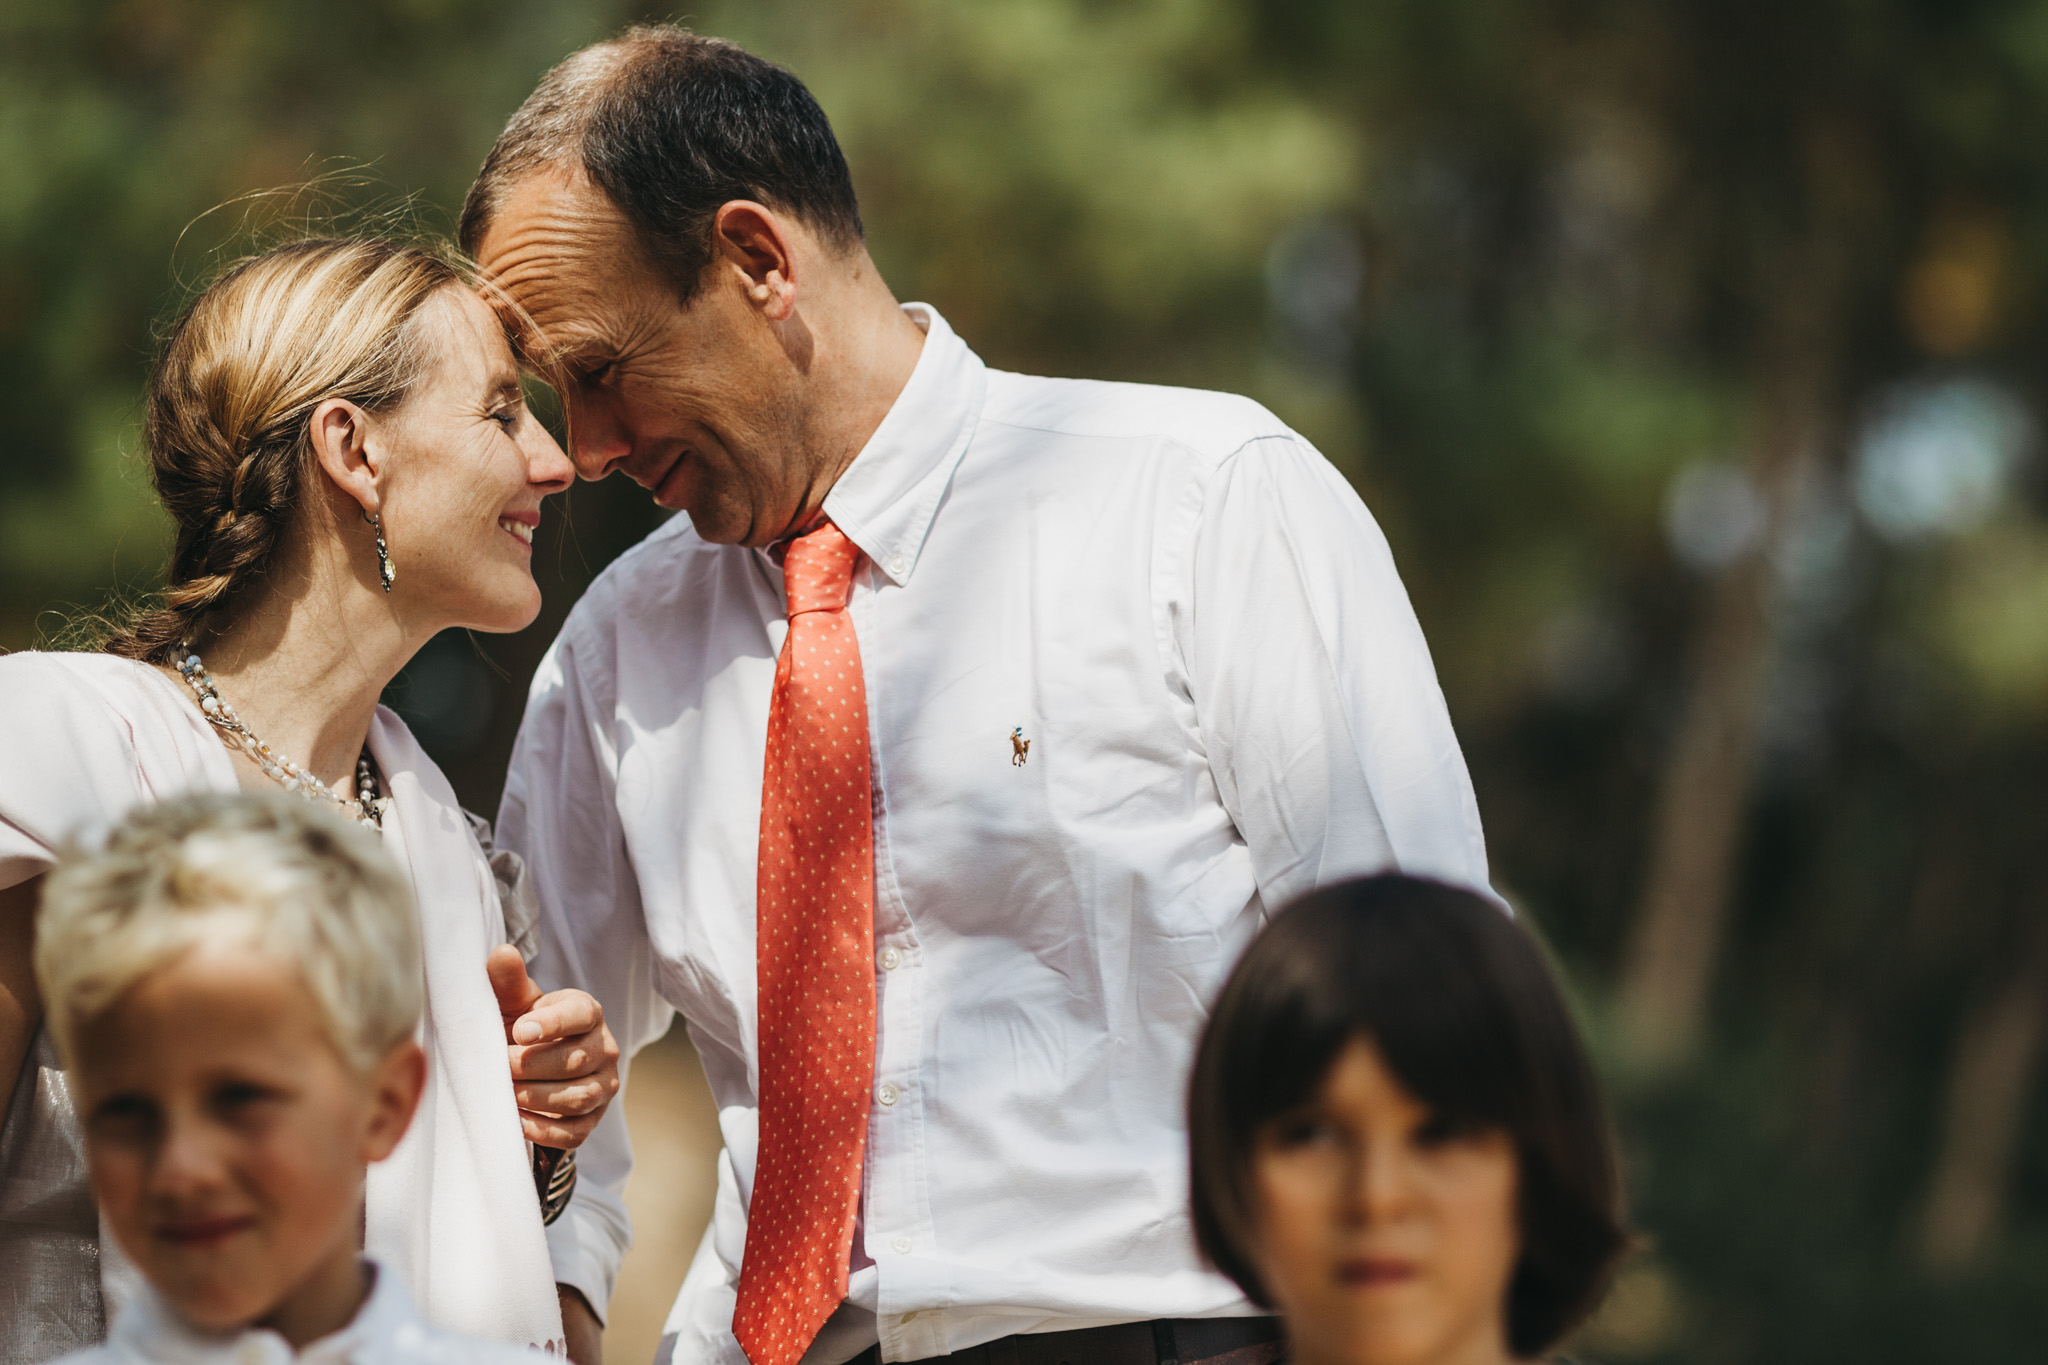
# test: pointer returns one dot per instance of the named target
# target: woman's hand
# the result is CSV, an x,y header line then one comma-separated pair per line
x,y
565,1064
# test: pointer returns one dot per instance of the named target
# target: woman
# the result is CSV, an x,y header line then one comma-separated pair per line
x,y
1397,1141
337,431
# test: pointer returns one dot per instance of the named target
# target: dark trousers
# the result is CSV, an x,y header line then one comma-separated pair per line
x,y
1163,1341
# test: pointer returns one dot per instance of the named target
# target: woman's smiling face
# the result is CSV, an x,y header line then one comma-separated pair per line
x,y
1383,1236
466,467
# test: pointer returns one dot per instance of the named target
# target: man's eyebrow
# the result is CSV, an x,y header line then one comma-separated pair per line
x,y
531,350
551,361
525,354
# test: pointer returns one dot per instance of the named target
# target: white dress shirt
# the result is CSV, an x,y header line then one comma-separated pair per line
x,y
1199,629
385,1331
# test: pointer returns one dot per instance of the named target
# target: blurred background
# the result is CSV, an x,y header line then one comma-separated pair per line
x,y
1691,355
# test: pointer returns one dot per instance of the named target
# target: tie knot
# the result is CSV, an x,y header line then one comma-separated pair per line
x,y
817,570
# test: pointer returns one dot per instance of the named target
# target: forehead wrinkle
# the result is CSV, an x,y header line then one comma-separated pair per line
x,y
555,242
596,335
551,318
555,224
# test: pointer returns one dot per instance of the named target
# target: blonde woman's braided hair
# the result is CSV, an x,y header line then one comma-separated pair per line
x,y
227,424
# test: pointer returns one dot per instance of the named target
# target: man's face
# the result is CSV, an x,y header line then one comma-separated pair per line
x,y
701,406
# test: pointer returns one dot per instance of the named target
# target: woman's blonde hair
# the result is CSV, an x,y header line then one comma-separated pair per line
x,y
227,423
274,873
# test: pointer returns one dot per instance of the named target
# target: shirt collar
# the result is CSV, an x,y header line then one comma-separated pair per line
x,y
886,499
146,1329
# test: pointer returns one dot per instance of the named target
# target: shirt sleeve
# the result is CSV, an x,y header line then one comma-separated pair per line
x,y
1313,689
560,815
69,767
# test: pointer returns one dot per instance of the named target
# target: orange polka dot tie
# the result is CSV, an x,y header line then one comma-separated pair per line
x,y
814,959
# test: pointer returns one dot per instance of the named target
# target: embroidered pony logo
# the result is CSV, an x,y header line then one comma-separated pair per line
x,y
1020,747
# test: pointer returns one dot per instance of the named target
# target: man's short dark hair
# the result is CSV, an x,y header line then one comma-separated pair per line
x,y
1464,1011
671,126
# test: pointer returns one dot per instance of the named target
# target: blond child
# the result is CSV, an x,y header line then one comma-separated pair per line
x,y
235,985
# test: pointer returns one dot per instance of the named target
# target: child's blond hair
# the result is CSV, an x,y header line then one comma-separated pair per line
x,y
275,873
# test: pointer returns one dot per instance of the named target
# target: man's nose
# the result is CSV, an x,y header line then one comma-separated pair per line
x,y
599,439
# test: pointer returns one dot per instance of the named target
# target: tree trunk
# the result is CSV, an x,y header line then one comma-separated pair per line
x,y
1704,794
1998,1050
1696,835
1698,825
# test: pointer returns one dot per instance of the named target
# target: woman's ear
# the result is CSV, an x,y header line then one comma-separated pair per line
x,y
395,1089
341,443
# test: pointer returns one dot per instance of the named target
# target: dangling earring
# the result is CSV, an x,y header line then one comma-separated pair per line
x,y
384,569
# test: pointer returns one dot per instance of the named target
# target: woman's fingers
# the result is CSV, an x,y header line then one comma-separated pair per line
x,y
563,1099
565,1068
564,1113
509,982
586,1054
565,1133
558,1014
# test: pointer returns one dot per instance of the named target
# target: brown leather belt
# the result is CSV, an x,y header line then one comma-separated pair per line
x,y
1163,1341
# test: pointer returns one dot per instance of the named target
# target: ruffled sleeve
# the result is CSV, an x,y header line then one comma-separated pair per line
x,y
84,738
516,898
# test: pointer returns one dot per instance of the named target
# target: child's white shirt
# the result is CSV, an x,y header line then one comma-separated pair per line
x,y
386,1330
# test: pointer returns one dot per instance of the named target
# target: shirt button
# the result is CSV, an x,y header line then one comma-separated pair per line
x,y
898,565
891,959
901,1246
887,1094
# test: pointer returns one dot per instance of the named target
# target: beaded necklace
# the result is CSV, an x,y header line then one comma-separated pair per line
x,y
368,807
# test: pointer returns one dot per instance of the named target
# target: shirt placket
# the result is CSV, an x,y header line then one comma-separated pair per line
x,y
897,1222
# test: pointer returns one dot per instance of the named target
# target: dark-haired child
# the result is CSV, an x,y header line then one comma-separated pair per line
x,y
1397,1140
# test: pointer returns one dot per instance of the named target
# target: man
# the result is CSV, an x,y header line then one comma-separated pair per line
x,y
938,764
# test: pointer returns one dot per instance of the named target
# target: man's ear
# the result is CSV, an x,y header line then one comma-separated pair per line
x,y
758,245
395,1089
340,433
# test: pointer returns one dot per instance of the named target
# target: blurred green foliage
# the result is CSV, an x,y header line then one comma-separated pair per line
x,y
1523,271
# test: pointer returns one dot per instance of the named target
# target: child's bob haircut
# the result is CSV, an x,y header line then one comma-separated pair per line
x,y
1463,1010
275,873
